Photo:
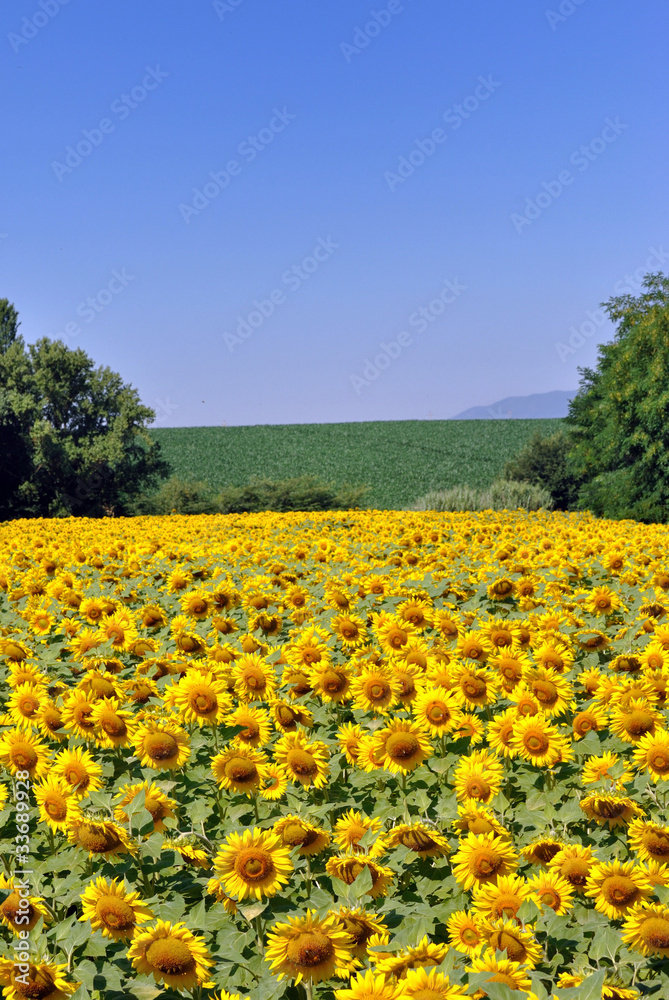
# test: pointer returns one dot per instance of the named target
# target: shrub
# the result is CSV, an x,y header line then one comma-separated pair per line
x,y
302,493
544,461
178,497
502,495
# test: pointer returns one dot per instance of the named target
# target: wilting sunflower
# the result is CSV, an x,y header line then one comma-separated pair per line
x,y
368,986
78,770
298,833
426,954
466,932
500,899
305,763
483,858
437,711
423,840
201,697
57,802
257,726
44,981
348,867
616,887
652,754
239,769
537,741
646,929
171,954
550,889
308,949
375,690
519,943
610,810
649,840
275,783
21,751
503,970
574,863
402,746
16,906
351,828
362,926
155,802
101,838
542,850
475,818
161,745
113,910
254,863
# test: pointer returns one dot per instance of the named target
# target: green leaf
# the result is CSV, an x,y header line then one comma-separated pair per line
x,y
362,884
144,991
590,988
496,991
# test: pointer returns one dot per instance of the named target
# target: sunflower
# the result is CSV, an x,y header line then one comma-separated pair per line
x,y
402,746
635,720
298,833
616,887
254,863
113,910
475,688
349,736
49,719
611,810
408,677
348,867
478,776
574,863
437,711
368,986
510,665
24,704
599,769
656,873
542,850
239,769
426,954
646,929
393,632
310,949
155,802
475,646
161,745
193,855
17,906
44,981
332,683
466,932
201,697
352,827
500,899
78,770
652,754
503,970
288,717
77,714
3,795
649,840
363,927
375,690
21,751
101,838
275,783
215,889
519,943
257,727
423,840
114,727
172,955
483,858
305,763
550,889
537,741
56,801
254,678
475,818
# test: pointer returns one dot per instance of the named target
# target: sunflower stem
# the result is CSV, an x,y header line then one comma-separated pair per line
x,y
255,808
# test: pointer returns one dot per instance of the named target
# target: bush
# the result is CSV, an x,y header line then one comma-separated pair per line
x,y
502,495
301,493
544,461
178,497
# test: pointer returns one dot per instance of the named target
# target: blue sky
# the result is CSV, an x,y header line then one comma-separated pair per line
x,y
414,204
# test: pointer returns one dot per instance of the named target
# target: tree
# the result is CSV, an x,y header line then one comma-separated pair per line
x,y
8,324
619,420
73,437
544,461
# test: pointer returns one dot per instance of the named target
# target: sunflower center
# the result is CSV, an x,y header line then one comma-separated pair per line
x,y
97,840
254,865
438,714
255,680
609,808
161,746
620,890
584,722
28,706
576,871
428,994
77,776
655,932
251,732
56,807
294,835
473,687
23,756
170,956
638,723
115,913
503,941
486,864
536,742
241,770
478,788
11,908
285,716
333,682
40,985
546,852
309,950
657,844
402,746
377,690
113,725
549,898
156,808
52,719
545,692
204,702
480,825
418,840
470,937
506,906
659,760
302,763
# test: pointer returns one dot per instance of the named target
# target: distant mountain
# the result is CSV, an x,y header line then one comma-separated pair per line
x,y
538,406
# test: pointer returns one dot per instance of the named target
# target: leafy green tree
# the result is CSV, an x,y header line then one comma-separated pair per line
x,y
9,324
73,437
619,420
544,461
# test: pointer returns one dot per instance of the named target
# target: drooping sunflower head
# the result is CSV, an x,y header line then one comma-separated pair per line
x,y
298,833
423,840
610,810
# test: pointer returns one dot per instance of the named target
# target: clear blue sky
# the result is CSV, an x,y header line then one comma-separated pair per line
x,y
306,109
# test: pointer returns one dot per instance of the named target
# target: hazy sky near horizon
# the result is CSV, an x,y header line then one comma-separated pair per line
x,y
289,211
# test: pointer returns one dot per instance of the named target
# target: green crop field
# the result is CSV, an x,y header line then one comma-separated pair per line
x,y
399,460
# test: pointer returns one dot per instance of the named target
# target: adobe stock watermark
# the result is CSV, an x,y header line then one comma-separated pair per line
x,y
249,149
292,279
419,320
564,11
121,108
90,308
454,117
31,26
630,284
223,7
163,409
378,22
581,158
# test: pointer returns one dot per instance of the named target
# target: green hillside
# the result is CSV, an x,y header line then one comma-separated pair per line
x,y
399,459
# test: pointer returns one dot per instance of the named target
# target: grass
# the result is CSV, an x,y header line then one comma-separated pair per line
x,y
400,460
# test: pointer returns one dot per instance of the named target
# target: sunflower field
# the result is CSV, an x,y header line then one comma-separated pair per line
x,y
348,756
